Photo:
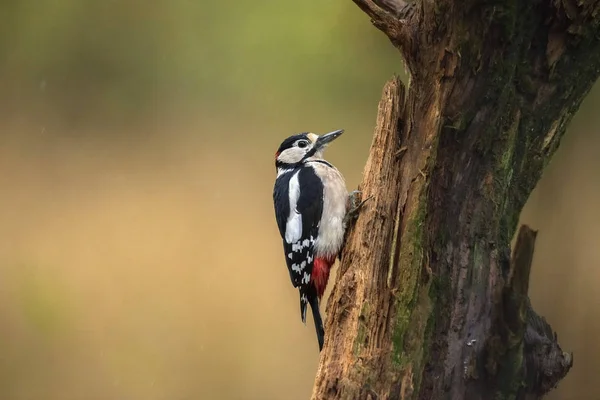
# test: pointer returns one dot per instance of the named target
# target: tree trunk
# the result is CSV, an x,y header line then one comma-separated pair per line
x,y
428,303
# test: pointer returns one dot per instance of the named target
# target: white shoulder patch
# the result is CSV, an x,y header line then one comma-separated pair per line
x,y
293,227
283,171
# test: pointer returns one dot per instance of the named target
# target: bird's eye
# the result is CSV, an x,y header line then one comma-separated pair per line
x,y
302,144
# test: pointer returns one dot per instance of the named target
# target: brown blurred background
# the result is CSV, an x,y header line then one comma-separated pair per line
x,y
139,257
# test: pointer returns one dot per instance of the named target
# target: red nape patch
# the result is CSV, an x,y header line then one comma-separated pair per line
x,y
277,155
320,273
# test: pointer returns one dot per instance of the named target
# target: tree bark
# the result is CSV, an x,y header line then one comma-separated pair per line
x,y
428,302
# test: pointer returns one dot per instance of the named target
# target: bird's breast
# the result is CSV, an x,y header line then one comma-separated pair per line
x,y
331,228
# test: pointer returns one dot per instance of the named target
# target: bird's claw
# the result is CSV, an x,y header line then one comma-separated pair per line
x,y
354,205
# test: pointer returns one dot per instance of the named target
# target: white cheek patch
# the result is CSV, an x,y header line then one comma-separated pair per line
x,y
291,155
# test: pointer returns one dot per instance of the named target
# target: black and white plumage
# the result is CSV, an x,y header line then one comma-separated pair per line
x,y
310,206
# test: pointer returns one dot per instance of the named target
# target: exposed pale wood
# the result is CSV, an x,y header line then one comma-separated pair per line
x,y
364,254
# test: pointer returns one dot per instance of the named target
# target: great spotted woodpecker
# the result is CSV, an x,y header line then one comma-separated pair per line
x,y
311,208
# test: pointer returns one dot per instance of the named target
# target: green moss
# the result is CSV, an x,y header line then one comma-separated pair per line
x,y
509,147
361,335
461,122
400,327
415,297
415,313
525,82
510,373
468,47
440,286
480,266
410,262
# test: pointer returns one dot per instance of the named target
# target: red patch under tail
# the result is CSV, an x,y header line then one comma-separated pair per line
x,y
320,273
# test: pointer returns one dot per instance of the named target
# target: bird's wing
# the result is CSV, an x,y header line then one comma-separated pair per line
x,y
281,201
300,226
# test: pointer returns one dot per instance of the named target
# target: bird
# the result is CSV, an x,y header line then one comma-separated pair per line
x,y
312,209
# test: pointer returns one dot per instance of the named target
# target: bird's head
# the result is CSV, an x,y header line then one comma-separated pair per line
x,y
299,148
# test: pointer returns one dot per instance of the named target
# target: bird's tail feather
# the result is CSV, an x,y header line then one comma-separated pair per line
x,y
314,306
310,297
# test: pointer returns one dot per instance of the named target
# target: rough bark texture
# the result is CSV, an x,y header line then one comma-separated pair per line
x,y
428,302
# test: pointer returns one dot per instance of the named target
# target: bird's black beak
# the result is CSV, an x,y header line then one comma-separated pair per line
x,y
327,138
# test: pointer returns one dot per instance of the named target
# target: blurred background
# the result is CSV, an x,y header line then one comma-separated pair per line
x,y
139,256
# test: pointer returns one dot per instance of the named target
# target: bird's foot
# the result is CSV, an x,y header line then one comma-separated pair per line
x,y
354,206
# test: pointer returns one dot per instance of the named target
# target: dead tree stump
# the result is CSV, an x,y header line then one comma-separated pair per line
x,y
428,302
